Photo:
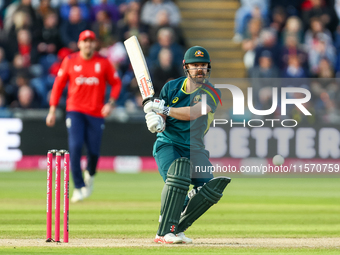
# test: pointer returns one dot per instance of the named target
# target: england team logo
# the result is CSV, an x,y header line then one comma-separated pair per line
x,y
77,68
97,67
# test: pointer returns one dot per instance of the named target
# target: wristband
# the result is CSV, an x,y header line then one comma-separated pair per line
x,y
111,102
166,111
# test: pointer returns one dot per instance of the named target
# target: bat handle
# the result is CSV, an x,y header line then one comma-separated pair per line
x,y
146,100
159,127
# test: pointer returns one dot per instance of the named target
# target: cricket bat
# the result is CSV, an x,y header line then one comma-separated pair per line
x,y
140,68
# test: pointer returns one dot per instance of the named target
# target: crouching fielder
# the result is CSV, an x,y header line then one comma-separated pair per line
x,y
179,147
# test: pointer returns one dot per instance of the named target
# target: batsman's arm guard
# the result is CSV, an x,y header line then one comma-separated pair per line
x,y
199,203
173,195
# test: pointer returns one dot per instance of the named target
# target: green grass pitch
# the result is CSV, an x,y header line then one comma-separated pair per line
x,y
127,206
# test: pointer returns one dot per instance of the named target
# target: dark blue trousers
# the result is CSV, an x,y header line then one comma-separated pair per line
x,y
166,153
83,128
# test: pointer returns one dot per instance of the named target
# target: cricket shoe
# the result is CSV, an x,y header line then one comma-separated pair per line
x,y
89,181
169,238
184,238
77,196
85,192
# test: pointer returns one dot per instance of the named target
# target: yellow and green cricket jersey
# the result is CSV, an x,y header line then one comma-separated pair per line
x,y
187,133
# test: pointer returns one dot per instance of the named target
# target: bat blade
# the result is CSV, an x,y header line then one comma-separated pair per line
x,y
140,68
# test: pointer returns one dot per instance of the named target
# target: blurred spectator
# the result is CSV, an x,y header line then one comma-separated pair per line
x,y
26,98
70,29
251,41
316,29
18,67
331,113
4,67
325,86
26,7
163,21
24,46
130,26
249,9
165,71
135,100
22,75
2,103
49,45
166,40
268,43
279,17
293,27
292,7
2,94
44,9
337,39
337,7
262,81
9,11
292,48
108,6
294,68
49,40
321,49
98,2
19,80
33,23
151,8
325,70
326,14
103,27
21,20
53,3
125,5
65,10
266,68
116,54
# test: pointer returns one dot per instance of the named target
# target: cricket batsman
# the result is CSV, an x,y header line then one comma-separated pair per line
x,y
86,73
178,119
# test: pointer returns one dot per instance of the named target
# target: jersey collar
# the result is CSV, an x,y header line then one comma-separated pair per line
x,y
184,86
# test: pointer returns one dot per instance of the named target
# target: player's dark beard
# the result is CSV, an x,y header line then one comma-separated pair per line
x,y
199,80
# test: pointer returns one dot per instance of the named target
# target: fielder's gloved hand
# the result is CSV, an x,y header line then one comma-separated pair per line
x,y
155,122
157,105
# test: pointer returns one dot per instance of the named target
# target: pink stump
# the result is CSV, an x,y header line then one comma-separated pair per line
x,y
49,197
66,195
57,198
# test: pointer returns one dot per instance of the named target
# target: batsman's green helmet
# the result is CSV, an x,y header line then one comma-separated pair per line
x,y
196,54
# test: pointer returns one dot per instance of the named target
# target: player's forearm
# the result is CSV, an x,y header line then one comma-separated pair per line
x,y
111,101
181,113
52,109
185,113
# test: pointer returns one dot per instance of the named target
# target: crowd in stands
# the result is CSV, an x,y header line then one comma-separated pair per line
x,y
35,36
293,39
280,38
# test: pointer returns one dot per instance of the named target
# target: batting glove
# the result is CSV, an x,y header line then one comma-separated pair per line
x,y
157,105
155,122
